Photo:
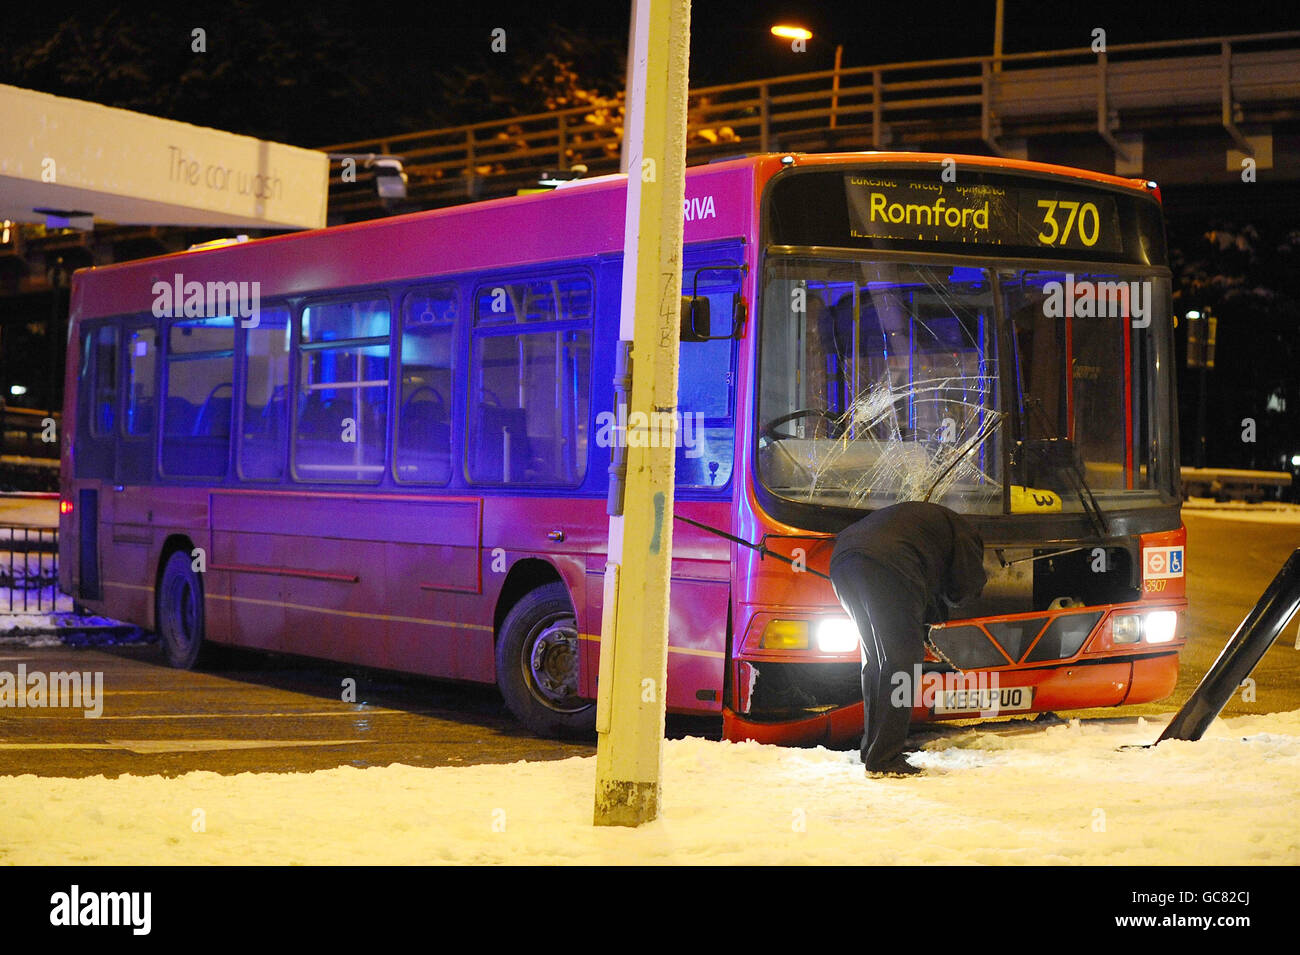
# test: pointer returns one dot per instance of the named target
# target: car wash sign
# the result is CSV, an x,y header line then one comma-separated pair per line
x,y
64,160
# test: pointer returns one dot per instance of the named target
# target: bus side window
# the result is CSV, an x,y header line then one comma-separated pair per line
x,y
97,403
422,450
199,397
530,382
140,371
706,389
135,446
102,353
341,431
264,432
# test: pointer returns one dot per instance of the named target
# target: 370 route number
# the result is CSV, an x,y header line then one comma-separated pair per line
x,y
1083,215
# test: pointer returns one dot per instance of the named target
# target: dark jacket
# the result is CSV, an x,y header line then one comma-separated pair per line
x,y
934,549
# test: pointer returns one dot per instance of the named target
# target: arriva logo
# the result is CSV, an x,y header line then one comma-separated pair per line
x,y
698,207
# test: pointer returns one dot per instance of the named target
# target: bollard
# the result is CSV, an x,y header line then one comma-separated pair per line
x,y
1243,652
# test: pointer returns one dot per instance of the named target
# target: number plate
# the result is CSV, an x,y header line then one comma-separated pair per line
x,y
1007,699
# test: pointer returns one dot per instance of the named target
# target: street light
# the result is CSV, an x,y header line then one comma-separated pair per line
x,y
788,32
797,34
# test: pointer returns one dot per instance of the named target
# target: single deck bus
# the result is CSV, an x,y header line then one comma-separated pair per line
x,y
388,443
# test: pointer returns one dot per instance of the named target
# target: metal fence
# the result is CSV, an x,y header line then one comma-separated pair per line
x,y
862,107
29,570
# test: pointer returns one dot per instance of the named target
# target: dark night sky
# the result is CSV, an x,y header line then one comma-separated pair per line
x,y
402,45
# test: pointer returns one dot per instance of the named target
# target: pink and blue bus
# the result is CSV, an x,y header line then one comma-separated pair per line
x,y
387,443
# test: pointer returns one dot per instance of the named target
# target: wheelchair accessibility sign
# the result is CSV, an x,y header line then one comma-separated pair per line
x,y
1159,563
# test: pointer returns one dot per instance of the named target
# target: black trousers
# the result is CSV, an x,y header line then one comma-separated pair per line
x,y
890,616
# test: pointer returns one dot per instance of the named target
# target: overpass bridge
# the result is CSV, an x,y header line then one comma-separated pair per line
x,y
1180,112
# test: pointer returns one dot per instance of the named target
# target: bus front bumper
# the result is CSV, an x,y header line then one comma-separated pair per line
x,y
1078,685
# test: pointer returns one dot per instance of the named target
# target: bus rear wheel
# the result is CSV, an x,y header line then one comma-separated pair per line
x,y
180,612
537,665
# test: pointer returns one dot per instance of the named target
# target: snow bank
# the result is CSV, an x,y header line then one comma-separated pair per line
x,y
55,629
1002,793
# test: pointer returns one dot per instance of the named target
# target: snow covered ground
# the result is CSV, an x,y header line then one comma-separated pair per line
x,y
1000,793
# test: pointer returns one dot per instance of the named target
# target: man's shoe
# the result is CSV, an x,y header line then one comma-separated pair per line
x,y
896,767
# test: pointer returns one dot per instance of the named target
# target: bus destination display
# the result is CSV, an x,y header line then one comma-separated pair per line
x,y
891,207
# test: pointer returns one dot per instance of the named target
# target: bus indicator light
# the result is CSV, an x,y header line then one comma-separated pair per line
x,y
785,635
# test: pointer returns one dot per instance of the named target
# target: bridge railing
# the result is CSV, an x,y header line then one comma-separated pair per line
x,y
29,449
864,107
1227,484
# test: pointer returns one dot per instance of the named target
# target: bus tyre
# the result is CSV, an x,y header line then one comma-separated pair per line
x,y
180,612
537,665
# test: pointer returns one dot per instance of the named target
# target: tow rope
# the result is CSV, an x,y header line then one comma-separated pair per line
x,y
761,547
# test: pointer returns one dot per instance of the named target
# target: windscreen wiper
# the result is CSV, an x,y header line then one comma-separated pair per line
x,y
1060,455
986,429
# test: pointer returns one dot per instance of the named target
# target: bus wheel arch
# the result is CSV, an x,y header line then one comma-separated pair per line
x,y
179,605
537,649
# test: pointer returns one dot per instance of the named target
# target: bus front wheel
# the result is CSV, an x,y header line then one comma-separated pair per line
x,y
180,612
537,665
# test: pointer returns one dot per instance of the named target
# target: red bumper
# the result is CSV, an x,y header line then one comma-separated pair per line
x,y
1072,686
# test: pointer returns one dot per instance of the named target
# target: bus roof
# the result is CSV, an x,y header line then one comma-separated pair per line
x,y
506,233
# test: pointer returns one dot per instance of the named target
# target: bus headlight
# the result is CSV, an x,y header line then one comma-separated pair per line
x,y
836,635
1161,625
785,635
1158,626
1126,628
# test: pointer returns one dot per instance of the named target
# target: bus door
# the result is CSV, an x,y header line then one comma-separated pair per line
x,y
701,566
94,453
132,541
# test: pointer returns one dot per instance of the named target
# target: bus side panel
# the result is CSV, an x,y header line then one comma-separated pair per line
x,y
697,639
381,582
133,529
564,533
697,624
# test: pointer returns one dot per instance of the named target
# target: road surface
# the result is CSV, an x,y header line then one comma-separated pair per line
x,y
263,714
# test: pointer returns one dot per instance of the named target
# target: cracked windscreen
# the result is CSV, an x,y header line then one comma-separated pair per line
x,y
882,382
879,384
